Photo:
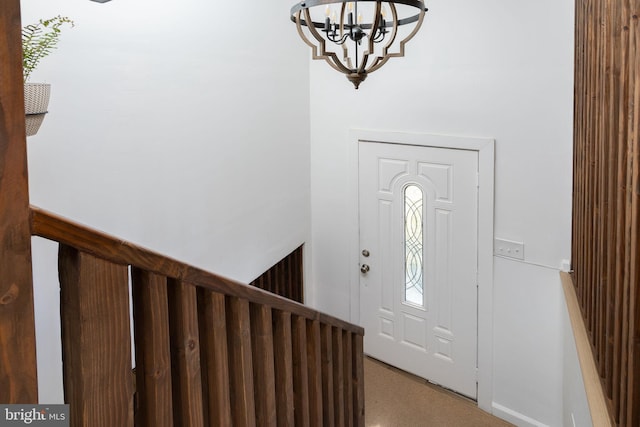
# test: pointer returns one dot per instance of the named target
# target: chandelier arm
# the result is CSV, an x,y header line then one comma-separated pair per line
x,y
406,40
381,60
345,51
374,28
331,58
299,23
314,48
374,65
400,53
380,36
341,40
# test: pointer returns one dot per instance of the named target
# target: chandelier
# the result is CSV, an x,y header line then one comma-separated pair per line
x,y
357,37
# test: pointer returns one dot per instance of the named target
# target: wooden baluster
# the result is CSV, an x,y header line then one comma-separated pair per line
x,y
284,278
338,376
599,279
185,354
263,365
358,380
633,207
621,196
612,167
276,282
315,372
96,340
300,371
347,346
299,274
326,346
215,356
631,146
153,354
283,358
287,276
240,364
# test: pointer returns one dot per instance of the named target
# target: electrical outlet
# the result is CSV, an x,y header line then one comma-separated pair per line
x,y
508,248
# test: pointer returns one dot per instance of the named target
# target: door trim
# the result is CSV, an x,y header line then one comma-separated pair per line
x,y
486,160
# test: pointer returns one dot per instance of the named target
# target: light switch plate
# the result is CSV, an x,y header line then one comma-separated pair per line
x,y
508,248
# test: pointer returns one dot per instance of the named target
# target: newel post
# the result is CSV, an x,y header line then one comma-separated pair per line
x,y
18,381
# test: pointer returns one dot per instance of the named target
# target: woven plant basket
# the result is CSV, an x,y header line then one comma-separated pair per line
x,y
33,123
36,102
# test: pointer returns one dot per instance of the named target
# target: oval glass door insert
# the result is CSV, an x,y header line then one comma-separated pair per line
x,y
413,246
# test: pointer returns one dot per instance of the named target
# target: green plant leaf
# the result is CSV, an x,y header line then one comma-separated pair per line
x,y
39,40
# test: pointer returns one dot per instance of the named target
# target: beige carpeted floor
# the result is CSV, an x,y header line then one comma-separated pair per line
x,y
396,399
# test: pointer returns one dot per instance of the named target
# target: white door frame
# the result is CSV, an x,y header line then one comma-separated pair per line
x,y
486,149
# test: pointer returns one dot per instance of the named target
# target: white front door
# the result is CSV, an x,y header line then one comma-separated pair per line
x,y
418,210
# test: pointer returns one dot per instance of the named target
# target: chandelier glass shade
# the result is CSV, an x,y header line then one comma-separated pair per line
x,y
357,37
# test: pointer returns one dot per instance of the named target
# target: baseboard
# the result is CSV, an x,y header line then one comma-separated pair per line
x,y
515,417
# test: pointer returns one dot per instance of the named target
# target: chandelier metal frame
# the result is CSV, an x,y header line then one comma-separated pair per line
x,y
361,60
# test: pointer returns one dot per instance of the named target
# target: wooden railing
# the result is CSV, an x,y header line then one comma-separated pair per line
x,y
606,195
208,350
285,278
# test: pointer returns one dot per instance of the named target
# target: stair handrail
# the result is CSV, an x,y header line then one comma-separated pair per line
x,y
50,226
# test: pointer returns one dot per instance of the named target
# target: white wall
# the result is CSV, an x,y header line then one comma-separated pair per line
x,y
182,126
528,344
499,69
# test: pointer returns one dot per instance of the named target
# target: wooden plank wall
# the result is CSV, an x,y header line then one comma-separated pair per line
x,y
606,195
285,278
18,383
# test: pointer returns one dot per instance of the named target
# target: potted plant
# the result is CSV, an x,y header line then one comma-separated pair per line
x,y
38,41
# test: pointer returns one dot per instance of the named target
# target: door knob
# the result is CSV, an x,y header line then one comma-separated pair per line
x,y
364,269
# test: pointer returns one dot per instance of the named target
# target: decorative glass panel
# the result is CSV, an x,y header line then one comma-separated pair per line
x,y
413,250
